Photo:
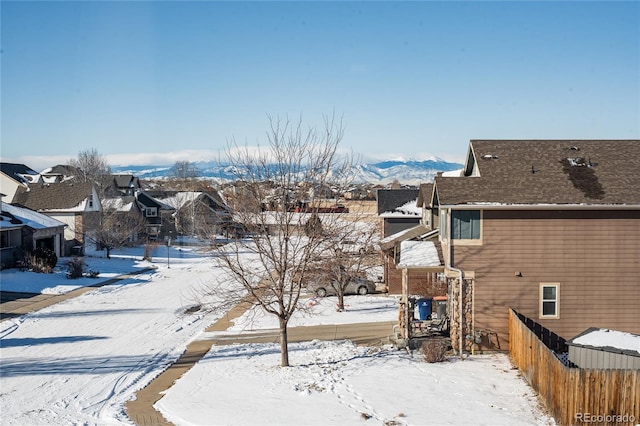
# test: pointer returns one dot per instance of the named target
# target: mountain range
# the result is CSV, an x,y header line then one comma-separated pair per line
x,y
409,172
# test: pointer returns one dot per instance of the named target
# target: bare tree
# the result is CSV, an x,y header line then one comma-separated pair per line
x,y
117,226
185,170
350,258
119,221
92,167
272,181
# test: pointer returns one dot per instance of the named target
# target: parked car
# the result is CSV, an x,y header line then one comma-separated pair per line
x,y
355,286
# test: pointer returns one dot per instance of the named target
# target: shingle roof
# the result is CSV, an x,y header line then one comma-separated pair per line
x,y
426,190
577,172
126,181
56,196
390,199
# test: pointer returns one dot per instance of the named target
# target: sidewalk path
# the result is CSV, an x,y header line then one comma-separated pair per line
x,y
141,410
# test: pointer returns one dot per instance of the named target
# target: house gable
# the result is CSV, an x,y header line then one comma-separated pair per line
x,y
125,184
59,197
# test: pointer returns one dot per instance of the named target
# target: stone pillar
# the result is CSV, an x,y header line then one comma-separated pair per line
x,y
454,313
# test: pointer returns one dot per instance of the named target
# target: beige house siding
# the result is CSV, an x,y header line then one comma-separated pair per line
x,y
594,256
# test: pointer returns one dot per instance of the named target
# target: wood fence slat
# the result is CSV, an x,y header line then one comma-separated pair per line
x,y
569,393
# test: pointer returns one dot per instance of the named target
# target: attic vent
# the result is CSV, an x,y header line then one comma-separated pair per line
x,y
490,157
574,148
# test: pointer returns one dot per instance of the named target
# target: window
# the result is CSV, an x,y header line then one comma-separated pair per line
x,y
549,300
152,211
465,224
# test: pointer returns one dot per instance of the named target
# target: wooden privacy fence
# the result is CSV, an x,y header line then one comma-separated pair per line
x,y
574,396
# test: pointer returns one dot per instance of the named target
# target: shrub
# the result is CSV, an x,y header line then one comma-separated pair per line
x,y
75,268
43,260
434,350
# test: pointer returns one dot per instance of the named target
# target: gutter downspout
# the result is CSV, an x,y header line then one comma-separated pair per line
x,y
460,280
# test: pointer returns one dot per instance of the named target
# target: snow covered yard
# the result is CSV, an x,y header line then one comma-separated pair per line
x,y
79,361
339,383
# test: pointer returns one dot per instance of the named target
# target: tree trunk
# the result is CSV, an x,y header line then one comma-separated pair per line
x,y
340,306
284,344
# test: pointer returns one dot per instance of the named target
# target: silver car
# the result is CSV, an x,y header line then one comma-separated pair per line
x,y
355,286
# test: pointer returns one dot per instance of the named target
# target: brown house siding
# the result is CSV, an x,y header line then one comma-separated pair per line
x,y
593,255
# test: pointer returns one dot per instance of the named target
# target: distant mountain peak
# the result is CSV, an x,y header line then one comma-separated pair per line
x,y
406,171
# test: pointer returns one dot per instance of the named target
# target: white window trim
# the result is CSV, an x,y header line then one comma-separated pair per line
x,y
467,241
557,301
152,211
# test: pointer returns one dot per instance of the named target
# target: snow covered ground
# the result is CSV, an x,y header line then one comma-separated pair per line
x,y
77,362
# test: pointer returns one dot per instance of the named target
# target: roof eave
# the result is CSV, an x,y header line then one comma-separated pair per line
x,y
498,206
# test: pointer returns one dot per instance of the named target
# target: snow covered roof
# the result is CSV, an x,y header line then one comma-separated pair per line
x,y
419,254
121,204
19,172
396,201
408,209
27,217
608,340
406,234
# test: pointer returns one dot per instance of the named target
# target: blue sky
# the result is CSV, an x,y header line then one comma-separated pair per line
x,y
156,82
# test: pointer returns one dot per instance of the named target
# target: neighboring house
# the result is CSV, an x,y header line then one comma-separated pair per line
x,y
60,173
398,210
155,213
360,192
126,213
200,213
401,221
14,176
23,230
550,228
74,203
124,184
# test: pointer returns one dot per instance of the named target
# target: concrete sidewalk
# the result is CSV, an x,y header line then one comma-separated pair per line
x,y
16,304
141,409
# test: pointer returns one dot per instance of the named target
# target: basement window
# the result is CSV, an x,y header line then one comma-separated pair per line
x,y
549,300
